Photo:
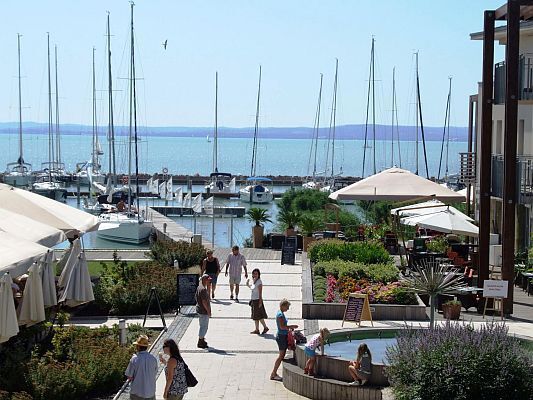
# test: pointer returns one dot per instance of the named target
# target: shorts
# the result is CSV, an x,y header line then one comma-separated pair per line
x,y
213,278
282,341
310,352
234,280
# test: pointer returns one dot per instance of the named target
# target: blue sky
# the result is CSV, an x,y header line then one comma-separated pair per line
x,y
294,41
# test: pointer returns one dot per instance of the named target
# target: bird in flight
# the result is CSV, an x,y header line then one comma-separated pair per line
x,y
164,44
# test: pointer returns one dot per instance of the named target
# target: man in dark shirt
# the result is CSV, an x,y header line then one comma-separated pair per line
x,y
203,308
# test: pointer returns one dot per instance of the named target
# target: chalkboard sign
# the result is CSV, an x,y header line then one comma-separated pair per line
x,y
288,251
186,289
357,309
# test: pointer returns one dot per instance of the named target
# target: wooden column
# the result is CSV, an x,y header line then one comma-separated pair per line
x,y
485,151
509,149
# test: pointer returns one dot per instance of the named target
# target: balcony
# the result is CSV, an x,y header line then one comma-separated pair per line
x,y
525,79
524,178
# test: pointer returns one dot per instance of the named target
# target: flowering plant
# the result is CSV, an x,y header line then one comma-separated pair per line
x,y
331,285
378,293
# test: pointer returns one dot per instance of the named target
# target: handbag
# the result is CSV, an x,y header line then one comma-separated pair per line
x,y
291,343
189,377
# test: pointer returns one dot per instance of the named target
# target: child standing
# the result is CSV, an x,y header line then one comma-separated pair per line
x,y
361,368
310,350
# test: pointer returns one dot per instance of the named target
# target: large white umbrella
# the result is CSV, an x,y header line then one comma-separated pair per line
x,y
47,211
78,287
9,326
29,229
395,184
46,269
32,308
427,207
67,262
16,255
446,221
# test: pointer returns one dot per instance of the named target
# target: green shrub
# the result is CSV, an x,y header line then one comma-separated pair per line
x,y
319,288
438,244
303,200
130,296
455,361
383,273
369,252
164,252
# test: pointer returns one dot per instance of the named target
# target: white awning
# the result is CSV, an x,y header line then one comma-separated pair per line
x,y
16,255
19,225
445,221
427,207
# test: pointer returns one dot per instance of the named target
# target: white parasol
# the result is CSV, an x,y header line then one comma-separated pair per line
x,y
32,308
8,316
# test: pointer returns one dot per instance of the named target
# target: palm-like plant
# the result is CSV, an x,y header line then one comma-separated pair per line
x,y
258,215
432,279
309,224
289,218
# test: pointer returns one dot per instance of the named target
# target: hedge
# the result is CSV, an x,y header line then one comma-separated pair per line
x,y
370,252
384,273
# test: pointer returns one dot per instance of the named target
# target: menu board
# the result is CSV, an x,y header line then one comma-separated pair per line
x,y
186,289
288,252
357,309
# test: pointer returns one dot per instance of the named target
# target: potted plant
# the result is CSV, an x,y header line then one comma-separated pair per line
x,y
451,309
259,216
290,219
309,225
438,244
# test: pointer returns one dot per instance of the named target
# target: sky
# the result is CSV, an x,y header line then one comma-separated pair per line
x,y
294,42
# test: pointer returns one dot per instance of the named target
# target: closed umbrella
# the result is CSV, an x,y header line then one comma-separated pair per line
x,y
46,269
8,316
26,228
70,257
427,207
16,255
32,308
78,287
47,211
395,184
446,221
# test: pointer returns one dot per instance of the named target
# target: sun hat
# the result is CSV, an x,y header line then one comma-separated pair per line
x,y
205,276
142,341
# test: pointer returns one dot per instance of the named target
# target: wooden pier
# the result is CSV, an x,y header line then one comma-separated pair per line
x,y
218,211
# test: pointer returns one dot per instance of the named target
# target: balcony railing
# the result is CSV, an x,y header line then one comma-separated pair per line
x,y
467,173
524,178
525,79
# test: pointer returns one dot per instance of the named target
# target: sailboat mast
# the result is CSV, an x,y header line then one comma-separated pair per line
x,y
416,110
256,128
50,124
134,106
395,118
365,146
448,127
334,119
58,138
392,115
421,120
215,144
317,127
446,120
373,105
95,127
21,155
111,132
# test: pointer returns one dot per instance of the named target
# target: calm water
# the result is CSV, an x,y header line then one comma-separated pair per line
x,y
348,350
189,156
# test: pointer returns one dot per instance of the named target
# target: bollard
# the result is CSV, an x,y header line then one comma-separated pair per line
x,y
176,264
164,227
122,331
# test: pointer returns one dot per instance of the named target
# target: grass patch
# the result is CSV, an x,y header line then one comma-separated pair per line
x,y
96,268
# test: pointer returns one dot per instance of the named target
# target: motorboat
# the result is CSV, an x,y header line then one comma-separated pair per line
x,y
221,185
258,190
124,227
48,188
18,174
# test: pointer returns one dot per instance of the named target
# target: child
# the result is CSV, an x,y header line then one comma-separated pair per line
x,y
361,368
310,350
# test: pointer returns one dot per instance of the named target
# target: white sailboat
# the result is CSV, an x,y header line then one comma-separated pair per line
x,y
221,184
19,173
127,225
46,184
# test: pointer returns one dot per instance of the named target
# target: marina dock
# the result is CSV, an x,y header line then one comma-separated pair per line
x,y
219,211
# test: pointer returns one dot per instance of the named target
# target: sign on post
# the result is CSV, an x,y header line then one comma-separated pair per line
x,y
495,288
186,285
357,309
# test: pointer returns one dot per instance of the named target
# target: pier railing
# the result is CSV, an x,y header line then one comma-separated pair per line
x,y
524,178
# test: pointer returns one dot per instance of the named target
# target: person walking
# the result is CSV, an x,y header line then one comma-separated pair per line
x,y
258,308
235,262
211,267
203,308
282,336
176,383
142,371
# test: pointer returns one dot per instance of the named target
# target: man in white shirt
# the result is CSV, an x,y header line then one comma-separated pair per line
x,y
142,372
235,262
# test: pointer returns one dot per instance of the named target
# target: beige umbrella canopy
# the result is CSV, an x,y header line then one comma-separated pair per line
x,y
8,316
46,269
427,207
47,211
16,255
78,287
447,221
28,229
32,308
395,184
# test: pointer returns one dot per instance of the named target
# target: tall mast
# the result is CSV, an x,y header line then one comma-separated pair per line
x,y
392,116
446,132
416,110
448,127
215,144
395,120
111,128
133,114
373,105
58,138
421,120
95,122
317,126
256,129
50,124
21,155
334,117
370,74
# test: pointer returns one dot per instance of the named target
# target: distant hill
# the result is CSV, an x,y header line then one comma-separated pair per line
x,y
342,132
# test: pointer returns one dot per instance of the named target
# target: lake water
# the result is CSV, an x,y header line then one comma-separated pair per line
x,y
189,156
348,350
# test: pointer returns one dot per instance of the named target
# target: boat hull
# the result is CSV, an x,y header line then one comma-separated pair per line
x,y
124,230
18,180
250,195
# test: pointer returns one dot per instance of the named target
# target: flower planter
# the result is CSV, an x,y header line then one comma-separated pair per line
x,y
451,311
307,241
257,232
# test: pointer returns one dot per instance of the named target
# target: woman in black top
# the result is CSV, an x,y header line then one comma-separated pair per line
x,y
211,267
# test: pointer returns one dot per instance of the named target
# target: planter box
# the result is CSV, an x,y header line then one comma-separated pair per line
x,y
394,312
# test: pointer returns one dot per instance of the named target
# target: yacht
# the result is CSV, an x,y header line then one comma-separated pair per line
x,y
258,190
124,227
48,188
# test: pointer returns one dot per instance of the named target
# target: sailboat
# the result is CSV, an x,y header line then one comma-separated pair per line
x,y
221,184
371,92
127,225
258,189
312,182
19,173
46,184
